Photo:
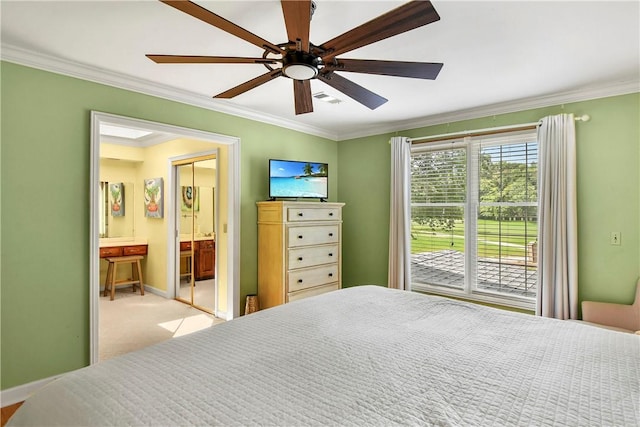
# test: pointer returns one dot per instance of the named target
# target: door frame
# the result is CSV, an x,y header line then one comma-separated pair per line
x,y
233,212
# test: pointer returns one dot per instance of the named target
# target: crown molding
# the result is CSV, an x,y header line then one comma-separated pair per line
x,y
585,94
62,66
69,68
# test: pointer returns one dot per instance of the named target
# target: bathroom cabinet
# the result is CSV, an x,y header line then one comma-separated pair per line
x,y
204,256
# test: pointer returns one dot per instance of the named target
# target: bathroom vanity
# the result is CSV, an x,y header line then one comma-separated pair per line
x,y
204,256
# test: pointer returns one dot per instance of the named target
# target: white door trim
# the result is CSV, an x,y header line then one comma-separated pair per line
x,y
233,212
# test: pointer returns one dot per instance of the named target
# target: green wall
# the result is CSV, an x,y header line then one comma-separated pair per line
x,y
608,160
44,223
44,282
364,169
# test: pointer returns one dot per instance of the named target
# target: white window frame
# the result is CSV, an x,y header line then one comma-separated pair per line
x,y
470,290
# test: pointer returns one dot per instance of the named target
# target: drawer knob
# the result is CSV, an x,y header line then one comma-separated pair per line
x,y
300,214
330,274
299,258
300,237
330,213
299,280
330,253
330,234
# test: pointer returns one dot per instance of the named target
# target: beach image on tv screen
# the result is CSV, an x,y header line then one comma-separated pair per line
x,y
297,179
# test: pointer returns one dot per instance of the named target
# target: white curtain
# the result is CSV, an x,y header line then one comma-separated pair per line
x,y
400,218
557,219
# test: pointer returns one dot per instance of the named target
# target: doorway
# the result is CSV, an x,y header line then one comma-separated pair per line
x,y
196,283
165,266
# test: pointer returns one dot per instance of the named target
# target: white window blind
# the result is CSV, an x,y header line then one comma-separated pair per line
x,y
507,215
438,198
474,225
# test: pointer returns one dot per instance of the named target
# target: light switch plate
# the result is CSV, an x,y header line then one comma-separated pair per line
x,y
615,238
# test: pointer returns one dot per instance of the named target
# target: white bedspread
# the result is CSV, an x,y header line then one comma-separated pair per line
x,y
365,356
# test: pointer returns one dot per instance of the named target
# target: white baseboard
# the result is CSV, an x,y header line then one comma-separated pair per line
x,y
156,291
22,392
147,287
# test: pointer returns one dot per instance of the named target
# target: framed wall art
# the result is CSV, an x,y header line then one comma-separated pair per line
x,y
154,198
116,191
190,199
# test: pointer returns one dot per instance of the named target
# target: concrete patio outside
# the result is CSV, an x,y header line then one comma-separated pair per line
x,y
446,268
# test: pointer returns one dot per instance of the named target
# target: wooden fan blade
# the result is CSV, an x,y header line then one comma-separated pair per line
x,y
302,96
353,90
297,18
193,59
418,70
404,18
211,18
253,83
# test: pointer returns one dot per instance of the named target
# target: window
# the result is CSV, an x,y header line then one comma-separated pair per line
x,y
474,218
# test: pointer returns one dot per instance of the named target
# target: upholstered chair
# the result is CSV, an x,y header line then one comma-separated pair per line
x,y
618,316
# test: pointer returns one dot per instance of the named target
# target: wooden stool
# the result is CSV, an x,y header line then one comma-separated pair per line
x,y
136,271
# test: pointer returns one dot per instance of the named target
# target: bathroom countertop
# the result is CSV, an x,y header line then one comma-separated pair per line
x,y
121,241
184,238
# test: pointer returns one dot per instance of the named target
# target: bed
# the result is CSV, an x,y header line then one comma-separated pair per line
x,y
366,355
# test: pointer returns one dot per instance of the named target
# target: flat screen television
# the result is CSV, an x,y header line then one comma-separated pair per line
x,y
296,179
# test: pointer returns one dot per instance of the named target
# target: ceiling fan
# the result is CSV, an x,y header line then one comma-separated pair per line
x,y
301,60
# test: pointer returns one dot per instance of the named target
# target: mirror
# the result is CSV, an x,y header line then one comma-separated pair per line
x,y
117,209
207,212
196,224
118,188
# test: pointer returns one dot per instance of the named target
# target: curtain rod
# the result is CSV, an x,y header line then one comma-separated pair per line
x,y
488,131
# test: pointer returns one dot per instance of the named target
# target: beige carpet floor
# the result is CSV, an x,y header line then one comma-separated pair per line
x,y
203,293
131,321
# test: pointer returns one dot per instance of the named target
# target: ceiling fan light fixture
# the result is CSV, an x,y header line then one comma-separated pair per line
x,y
300,65
302,60
300,71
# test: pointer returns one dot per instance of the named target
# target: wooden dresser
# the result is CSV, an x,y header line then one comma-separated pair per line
x,y
299,250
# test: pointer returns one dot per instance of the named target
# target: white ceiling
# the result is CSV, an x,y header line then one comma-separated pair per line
x,y
498,56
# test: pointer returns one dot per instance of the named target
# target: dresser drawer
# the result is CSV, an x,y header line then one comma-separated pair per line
x,y
134,250
310,277
185,246
317,255
206,244
112,251
313,214
318,290
318,235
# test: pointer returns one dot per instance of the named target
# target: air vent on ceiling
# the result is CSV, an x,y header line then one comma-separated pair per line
x,y
326,98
